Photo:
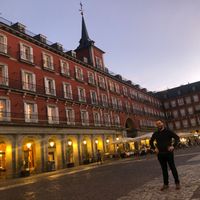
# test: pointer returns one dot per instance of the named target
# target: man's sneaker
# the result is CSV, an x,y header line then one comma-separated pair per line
x,y
178,187
164,187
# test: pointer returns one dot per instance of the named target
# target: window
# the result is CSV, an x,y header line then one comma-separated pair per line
x,y
117,88
188,100
190,110
93,96
79,73
102,82
53,116
112,86
67,88
107,119
70,116
31,112
182,111
196,98
3,74
3,44
104,100
125,91
116,120
177,124
26,52
171,125
50,87
64,68
91,79
114,102
119,103
81,94
185,123
28,81
84,117
128,106
99,62
48,61
4,109
193,121
97,121
197,108
175,114
180,102
173,103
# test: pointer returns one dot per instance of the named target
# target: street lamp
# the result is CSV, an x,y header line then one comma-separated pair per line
x,y
107,141
84,142
51,144
28,145
96,141
70,143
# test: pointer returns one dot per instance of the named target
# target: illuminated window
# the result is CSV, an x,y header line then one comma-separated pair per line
x,y
3,44
53,116
65,68
3,74
28,81
31,112
180,102
193,121
4,109
182,111
47,61
190,110
50,87
185,123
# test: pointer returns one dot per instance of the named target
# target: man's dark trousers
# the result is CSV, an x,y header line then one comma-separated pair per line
x,y
164,159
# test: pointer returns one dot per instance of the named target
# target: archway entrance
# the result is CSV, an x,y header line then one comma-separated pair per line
x,y
131,130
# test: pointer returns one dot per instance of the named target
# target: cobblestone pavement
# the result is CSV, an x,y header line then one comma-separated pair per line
x,y
190,185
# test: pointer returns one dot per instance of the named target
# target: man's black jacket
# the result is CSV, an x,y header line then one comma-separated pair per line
x,y
163,140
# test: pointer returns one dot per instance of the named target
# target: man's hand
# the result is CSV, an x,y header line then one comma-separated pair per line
x,y
171,148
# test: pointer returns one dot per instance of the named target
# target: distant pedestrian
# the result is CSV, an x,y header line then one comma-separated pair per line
x,y
99,157
164,149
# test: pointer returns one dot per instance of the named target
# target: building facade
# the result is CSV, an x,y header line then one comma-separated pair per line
x,y
182,107
57,107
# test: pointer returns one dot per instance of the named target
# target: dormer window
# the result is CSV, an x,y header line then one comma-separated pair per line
x,y
47,61
99,63
26,52
3,44
85,59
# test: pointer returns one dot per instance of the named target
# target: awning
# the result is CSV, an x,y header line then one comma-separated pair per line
x,y
185,134
123,140
142,137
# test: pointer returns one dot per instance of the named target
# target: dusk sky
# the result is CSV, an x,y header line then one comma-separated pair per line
x,y
155,43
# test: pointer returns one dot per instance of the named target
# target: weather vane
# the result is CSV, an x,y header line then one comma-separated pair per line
x,y
81,10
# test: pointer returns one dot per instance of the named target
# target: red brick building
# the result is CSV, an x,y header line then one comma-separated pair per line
x,y
58,108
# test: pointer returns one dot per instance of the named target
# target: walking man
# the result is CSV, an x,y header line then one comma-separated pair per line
x,y
164,149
